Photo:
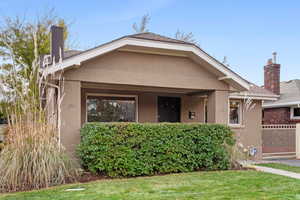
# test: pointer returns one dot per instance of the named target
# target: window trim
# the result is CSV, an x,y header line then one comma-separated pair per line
x,y
292,112
205,108
240,113
136,97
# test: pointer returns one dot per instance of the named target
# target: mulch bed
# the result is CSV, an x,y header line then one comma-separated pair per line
x,y
88,177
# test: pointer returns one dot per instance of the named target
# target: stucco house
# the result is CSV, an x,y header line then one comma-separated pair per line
x,y
286,109
147,77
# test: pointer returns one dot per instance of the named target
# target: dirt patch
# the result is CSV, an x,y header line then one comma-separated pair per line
x,y
88,177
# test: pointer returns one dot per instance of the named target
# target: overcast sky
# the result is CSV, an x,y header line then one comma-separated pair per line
x,y
246,32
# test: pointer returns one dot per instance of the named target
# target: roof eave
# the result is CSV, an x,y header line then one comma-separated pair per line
x,y
277,105
76,60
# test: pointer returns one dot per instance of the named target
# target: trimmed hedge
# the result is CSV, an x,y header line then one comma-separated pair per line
x,y
134,149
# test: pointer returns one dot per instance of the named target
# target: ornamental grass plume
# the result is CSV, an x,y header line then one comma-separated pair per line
x,y
32,157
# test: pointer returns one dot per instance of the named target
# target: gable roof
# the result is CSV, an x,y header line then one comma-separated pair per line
x,y
289,94
151,40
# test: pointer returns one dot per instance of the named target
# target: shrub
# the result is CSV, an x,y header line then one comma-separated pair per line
x,y
133,149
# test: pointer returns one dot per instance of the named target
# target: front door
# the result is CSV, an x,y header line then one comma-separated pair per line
x,y
168,109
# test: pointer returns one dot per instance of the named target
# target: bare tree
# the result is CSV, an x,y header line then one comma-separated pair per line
x,y
142,26
187,37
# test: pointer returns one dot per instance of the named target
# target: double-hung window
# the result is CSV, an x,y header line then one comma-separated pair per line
x,y
235,112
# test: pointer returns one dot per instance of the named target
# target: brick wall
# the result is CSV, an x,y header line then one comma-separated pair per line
x,y
272,77
278,116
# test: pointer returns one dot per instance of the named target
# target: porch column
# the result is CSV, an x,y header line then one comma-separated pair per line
x,y
217,107
70,116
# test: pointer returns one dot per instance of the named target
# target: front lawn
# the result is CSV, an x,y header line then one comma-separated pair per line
x,y
196,185
281,166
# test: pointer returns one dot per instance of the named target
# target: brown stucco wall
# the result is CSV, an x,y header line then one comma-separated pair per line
x,y
217,106
71,115
250,133
192,104
146,70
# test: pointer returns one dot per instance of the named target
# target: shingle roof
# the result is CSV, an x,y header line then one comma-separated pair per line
x,y
289,93
157,37
254,89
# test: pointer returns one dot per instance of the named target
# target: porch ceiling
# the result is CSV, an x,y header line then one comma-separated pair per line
x,y
143,89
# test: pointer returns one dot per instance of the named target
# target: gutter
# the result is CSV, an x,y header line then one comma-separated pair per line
x,y
254,96
276,105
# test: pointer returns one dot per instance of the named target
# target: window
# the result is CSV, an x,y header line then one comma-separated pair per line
x,y
295,113
234,112
111,109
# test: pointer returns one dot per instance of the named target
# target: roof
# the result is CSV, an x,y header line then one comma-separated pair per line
x,y
145,35
289,94
256,92
157,37
153,40
70,53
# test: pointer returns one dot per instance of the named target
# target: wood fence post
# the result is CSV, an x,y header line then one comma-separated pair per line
x,y
298,141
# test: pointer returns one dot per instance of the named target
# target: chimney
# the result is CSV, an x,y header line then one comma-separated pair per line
x,y
57,43
272,75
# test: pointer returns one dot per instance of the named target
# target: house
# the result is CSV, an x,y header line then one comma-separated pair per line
x,y
286,109
151,78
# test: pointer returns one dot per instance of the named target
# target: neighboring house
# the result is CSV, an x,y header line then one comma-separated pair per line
x,y
151,78
285,110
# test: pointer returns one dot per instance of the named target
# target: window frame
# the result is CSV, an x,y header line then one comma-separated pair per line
x,y
205,110
239,112
112,95
292,116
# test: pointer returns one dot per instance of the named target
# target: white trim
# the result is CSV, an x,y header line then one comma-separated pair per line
x,y
114,95
252,97
240,114
78,59
274,105
292,112
279,126
223,78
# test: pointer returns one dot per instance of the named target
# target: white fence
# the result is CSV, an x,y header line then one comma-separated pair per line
x,y
279,126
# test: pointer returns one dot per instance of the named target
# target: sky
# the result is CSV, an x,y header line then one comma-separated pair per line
x,y
246,32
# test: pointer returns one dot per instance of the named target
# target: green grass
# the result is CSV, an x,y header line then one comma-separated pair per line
x,y
281,166
196,185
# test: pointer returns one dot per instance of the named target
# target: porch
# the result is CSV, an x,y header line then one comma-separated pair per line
x,y
125,103
97,102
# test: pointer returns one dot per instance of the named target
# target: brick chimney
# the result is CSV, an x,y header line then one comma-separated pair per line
x,y
57,43
272,75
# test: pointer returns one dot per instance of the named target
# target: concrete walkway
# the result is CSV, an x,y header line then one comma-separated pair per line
x,y
276,171
291,162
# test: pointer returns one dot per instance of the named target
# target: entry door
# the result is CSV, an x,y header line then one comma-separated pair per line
x,y
168,109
